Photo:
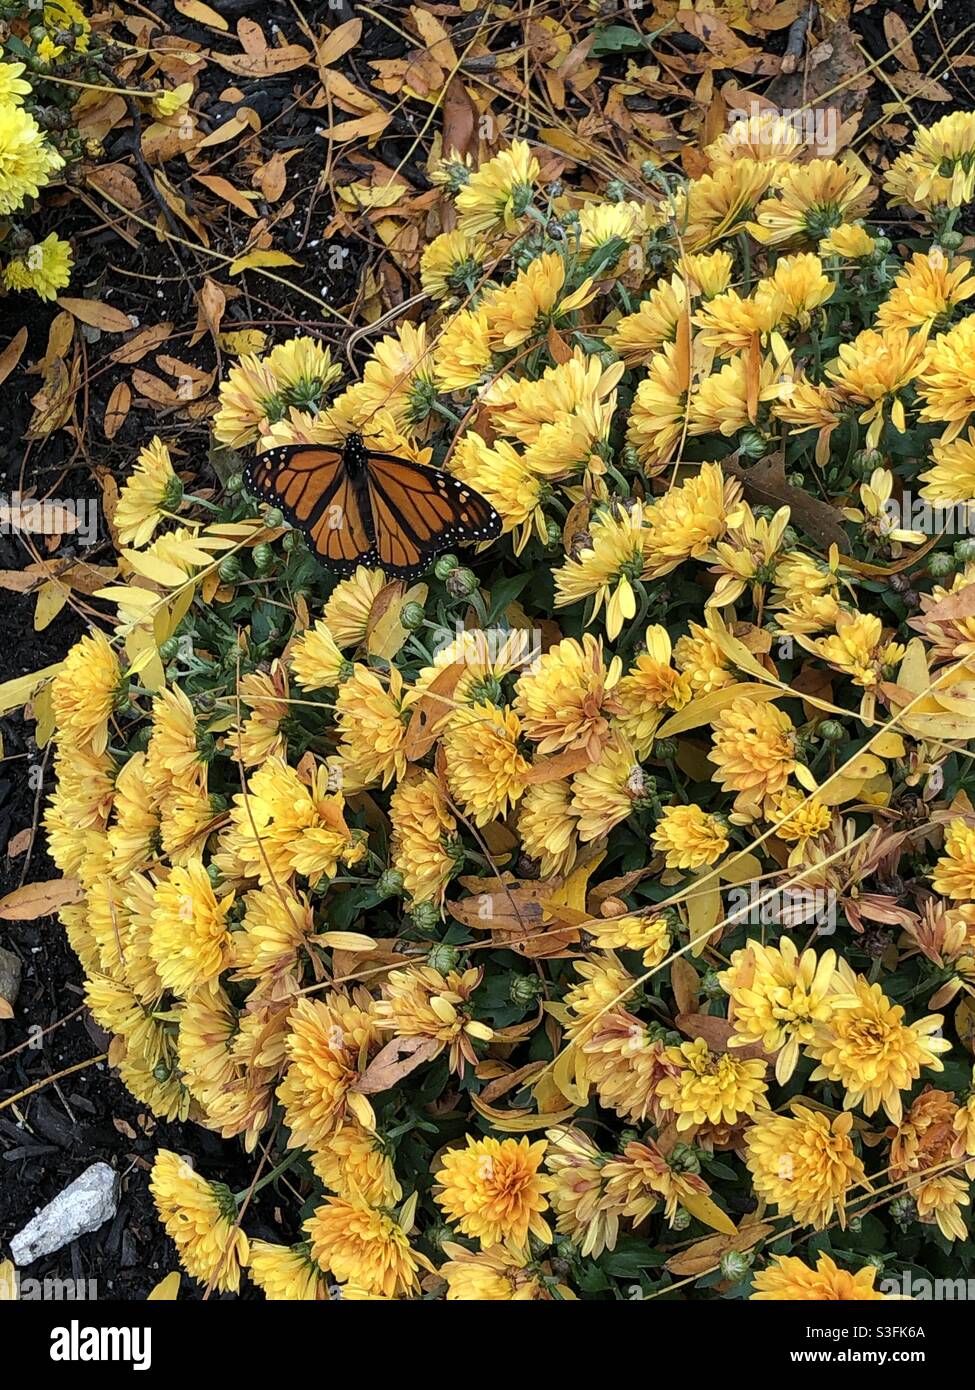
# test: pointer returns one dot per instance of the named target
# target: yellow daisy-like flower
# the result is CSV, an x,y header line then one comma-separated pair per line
x,y
397,378
286,1273
767,135
714,1087
532,300
603,984
547,826
370,718
451,264
926,292
658,412
151,491
563,699
578,1194
688,519
642,1177
939,1201
27,161
132,835
356,1163
328,1042
873,370
797,817
423,828
699,658
801,286
485,770
12,84
778,997
804,1164
463,353
857,648
718,205
604,565
809,200
626,1060
689,837
754,752
494,1192
954,873
648,690
720,404
868,1048
277,925
201,1218
419,1002
190,942
946,381
346,612
494,1275
316,661
938,169
364,1246
850,241
600,223
789,1279
952,479
728,323
649,934
44,268
173,758
85,692
282,826
707,275
500,192
502,476
638,336
604,794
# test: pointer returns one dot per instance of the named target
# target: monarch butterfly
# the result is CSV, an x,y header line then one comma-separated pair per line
x,y
362,508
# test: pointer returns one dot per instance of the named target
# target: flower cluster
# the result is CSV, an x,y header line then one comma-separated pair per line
x,y
492,899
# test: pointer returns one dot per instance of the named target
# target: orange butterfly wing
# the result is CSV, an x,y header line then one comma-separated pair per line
x,y
418,512
311,487
399,517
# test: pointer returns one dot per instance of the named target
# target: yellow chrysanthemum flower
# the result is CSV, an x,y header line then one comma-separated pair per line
x,y
938,170
532,301
502,476
707,275
699,658
804,1164
286,1273
85,692
356,1163
604,794
754,752
714,1087
494,1275
873,370
789,1279
327,1041
648,690
419,1002
636,337
578,1195
850,241
27,161
952,478
688,519
604,565
777,998
451,264
648,933
201,1218
485,770
946,380
370,717
547,826
500,192
150,492
494,1192
720,404
564,698
423,830
190,942
659,409
463,351
364,1246
689,837
926,292
857,648
954,873
868,1048
809,200
44,268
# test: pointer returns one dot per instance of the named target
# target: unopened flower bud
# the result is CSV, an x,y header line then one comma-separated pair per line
x,y
390,883
273,518
412,617
461,583
832,731
426,918
443,958
524,990
735,1264
445,566
229,569
263,557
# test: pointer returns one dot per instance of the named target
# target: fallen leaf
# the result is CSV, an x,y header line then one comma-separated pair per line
x,y
40,899
98,315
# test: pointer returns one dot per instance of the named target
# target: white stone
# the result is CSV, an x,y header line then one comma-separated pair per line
x,y
83,1206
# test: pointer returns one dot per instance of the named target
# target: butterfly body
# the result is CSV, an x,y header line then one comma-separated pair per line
x,y
359,507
